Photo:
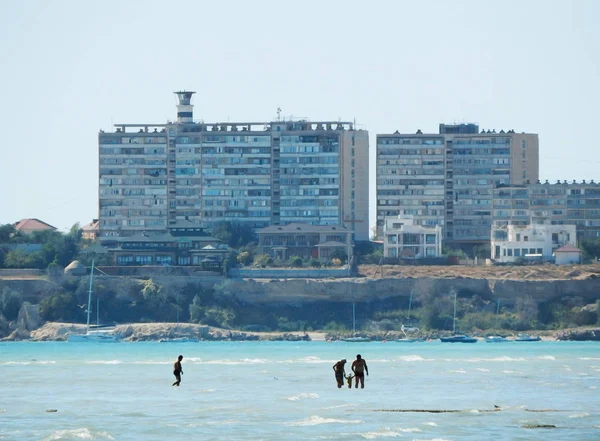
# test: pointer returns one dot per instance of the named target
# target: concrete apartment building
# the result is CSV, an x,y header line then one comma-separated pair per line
x,y
255,173
562,203
402,238
447,178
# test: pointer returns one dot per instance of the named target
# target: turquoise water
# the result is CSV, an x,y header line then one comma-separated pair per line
x,y
285,390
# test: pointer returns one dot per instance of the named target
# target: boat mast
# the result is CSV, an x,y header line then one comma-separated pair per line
x,y
89,304
353,319
454,316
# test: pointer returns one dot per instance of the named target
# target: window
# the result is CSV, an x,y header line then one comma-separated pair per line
x,y
517,252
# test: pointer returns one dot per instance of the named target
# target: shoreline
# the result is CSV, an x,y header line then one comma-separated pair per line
x,y
57,331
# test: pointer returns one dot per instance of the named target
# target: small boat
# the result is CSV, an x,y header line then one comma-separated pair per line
x,y
496,339
97,334
458,338
178,340
354,338
527,337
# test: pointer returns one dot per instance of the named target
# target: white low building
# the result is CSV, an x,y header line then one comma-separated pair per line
x,y
512,243
401,237
567,254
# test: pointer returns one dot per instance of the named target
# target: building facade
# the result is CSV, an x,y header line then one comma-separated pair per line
x,y
304,240
561,203
253,173
512,243
182,245
400,235
447,178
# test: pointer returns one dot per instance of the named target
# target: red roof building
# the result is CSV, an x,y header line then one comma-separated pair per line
x,y
28,226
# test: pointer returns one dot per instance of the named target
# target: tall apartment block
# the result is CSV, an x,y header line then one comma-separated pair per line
x,y
155,176
562,203
447,178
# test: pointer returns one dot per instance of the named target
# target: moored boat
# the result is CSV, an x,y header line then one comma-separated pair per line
x,y
527,337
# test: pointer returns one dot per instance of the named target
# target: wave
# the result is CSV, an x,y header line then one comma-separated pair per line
x,y
589,358
76,434
580,415
479,360
459,371
236,362
315,420
482,370
546,357
24,363
340,406
430,423
104,362
304,395
388,433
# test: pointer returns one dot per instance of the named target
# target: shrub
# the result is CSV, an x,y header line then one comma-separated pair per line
x,y
263,261
10,303
336,262
296,261
245,258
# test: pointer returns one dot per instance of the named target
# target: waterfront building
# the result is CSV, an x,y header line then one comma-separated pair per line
x,y
304,240
537,243
28,226
184,244
401,237
90,231
567,255
153,176
561,203
447,178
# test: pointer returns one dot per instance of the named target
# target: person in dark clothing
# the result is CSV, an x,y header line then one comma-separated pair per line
x,y
178,370
340,372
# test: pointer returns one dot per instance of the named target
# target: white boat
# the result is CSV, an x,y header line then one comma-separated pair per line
x,y
178,340
406,330
496,339
354,338
457,338
527,337
97,334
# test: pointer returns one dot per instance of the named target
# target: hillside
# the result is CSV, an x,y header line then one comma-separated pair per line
x,y
526,272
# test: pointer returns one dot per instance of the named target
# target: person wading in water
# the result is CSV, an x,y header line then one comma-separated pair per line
x,y
359,367
178,370
340,372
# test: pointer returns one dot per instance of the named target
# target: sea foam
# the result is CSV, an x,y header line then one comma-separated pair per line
x,y
315,420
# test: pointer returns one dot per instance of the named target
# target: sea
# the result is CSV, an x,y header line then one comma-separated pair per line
x,y
426,391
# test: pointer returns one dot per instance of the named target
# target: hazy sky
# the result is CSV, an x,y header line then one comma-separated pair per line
x,y
70,68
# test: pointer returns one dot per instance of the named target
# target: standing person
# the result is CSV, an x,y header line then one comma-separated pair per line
x,y
178,370
359,367
340,372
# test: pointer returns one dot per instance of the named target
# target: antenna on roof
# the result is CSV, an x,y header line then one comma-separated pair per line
x,y
279,114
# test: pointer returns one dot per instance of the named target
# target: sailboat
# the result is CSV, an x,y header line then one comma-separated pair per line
x,y
457,338
354,338
496,338
408,328
97,334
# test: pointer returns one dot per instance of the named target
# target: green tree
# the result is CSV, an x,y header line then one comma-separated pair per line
x,y
61,307
245,258
15,259
296,261
6,232
339,253
263,260
234,234
10,303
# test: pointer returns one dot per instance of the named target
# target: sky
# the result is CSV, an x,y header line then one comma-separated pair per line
x,y
71,68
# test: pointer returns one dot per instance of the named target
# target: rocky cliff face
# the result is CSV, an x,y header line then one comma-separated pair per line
x,y
297,291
